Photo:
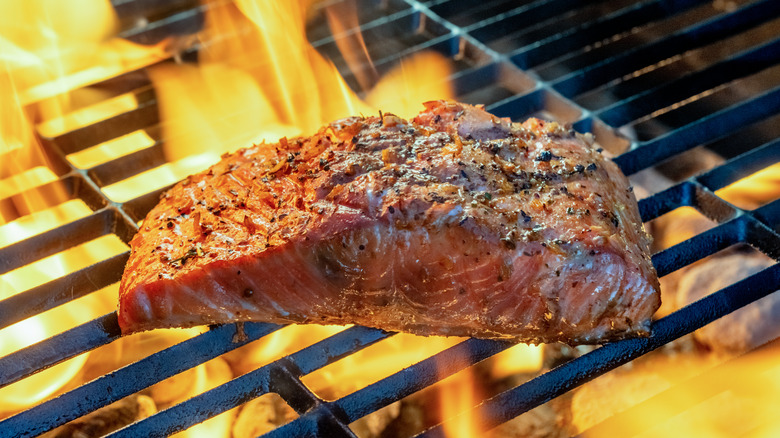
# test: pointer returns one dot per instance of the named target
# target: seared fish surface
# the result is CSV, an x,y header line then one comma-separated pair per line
x,y
454,223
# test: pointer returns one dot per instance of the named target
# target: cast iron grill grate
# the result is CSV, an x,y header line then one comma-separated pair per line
x,y
652,80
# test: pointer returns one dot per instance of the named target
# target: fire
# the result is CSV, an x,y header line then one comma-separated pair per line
x,y
47,49
27,332
754,190
685,397
458,395
257,80
374,363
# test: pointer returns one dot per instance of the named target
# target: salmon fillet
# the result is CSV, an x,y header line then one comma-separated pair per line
x,y
454,223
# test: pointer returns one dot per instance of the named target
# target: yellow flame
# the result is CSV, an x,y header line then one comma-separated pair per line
x,y
738,398
419,78
278,344
38,386
754,190
25,166
258,79
29,331
458,395
343,20
521,358
42,40
374,363
42,221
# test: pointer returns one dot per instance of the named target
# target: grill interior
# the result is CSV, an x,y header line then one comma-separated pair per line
x,y
651,79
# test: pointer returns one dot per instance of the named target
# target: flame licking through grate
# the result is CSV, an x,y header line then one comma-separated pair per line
x,y
651,80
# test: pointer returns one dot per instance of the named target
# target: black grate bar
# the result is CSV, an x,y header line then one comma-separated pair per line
x,y
396,386
563,378
62,290
526,103
318,41
720,26
123,167
666,201
707,129
143,116
500,25
622,20
418,376
770,215
669,93
742,165
184,22
700,246
763,237
56,349
686,193
131,379
253,384
56,240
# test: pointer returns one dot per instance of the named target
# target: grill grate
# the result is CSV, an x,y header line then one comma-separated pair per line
x,y
605,67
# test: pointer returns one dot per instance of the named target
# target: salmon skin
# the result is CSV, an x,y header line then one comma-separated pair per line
x,y
454,223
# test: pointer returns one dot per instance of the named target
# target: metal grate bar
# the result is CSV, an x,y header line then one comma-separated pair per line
x,y
533,12
537,51
59,348
709,128
61,290
144,115
700,246
689,38
669,93
737,167
410,27
254,384
770,215
51,242
570,39
131,379
666,201
320,34
418,376
396,386
563,378
467,13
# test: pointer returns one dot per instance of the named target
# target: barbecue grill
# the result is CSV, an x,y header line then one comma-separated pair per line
x,y
651,79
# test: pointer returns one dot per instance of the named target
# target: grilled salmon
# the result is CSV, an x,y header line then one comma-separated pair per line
x,y
454,223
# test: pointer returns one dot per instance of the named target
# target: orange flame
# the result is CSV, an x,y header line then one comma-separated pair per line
x,y
258,79
754,190
458,394
343,19
677,397
48,48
